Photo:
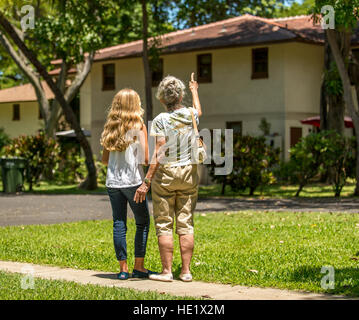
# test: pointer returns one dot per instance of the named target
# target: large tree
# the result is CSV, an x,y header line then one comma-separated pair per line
x,y
73,35
295,8
346,20
154,23
190,13
146,62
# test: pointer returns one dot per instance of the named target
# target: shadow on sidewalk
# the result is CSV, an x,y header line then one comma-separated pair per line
x,y
113,276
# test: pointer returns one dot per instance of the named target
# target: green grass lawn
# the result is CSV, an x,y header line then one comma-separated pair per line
x,y
52,188
60,290
214,190
269,249
316,190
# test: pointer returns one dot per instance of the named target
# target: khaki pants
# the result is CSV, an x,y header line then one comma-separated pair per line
x,y
174,196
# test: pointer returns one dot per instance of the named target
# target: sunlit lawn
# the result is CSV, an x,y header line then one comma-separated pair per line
x,y
60,290
53,188
279,191
283,250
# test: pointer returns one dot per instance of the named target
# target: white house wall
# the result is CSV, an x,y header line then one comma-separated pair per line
x,y
28,123
293,87
304,65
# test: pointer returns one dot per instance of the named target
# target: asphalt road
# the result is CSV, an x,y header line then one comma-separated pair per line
x,y
26,209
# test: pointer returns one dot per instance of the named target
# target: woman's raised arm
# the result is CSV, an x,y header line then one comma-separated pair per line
x,y
193,86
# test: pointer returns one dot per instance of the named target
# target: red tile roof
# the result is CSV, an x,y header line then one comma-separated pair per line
x,y
23,93
239,31
57,70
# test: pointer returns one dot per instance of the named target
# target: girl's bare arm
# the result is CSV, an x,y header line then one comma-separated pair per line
x,y
105,156
155,162
144,143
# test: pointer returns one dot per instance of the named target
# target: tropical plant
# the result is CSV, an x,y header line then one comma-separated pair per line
x,y
318,153
253,163
346,16
40,151
4,138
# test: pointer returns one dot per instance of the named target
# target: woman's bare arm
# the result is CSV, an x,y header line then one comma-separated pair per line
x,y
193,86
155,162
105,156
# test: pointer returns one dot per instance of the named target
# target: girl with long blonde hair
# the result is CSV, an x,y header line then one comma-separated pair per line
x,y
125,150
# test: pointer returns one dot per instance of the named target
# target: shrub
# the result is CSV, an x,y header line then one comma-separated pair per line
x,y
253,163
4,139
340,159
72,169
68,170
306,158
41,152
318,153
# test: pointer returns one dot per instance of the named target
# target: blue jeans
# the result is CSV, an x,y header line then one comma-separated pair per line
x,y
119,198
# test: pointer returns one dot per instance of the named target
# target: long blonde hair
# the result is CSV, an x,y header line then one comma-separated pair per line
x,y
125,114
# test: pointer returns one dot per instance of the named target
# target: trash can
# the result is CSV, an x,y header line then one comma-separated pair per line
x,y
12,170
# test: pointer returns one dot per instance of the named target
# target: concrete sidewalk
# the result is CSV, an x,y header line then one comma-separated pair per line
x,y
178,288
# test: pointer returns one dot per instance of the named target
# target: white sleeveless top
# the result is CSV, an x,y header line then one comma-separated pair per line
x,y
123,170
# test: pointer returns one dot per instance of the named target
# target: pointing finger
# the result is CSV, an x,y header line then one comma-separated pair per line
x,y
192,76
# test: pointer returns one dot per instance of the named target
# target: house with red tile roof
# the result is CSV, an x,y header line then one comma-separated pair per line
x,y
248,68
19,109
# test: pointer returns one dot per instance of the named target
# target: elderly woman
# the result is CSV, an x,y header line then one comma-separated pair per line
x,y
173,175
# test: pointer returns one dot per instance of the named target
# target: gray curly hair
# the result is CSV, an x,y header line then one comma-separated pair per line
x,y
170,91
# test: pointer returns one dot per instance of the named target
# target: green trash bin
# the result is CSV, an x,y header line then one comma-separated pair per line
x,y
13,170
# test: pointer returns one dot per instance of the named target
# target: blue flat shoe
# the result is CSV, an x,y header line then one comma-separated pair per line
x,y
123,275
140,274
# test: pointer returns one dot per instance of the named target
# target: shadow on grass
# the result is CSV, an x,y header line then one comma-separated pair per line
x,y
346,280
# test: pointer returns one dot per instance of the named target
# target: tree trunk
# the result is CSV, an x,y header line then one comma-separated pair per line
x,y
301,186
336,104
336,113
251,191
55,107
91,180
350,96
323,91
223,187
146,63
34,79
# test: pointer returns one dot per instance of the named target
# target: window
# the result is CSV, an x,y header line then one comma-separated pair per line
x,y
204,68
108,76
260,63
236,126
295,135
157,73
15,112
